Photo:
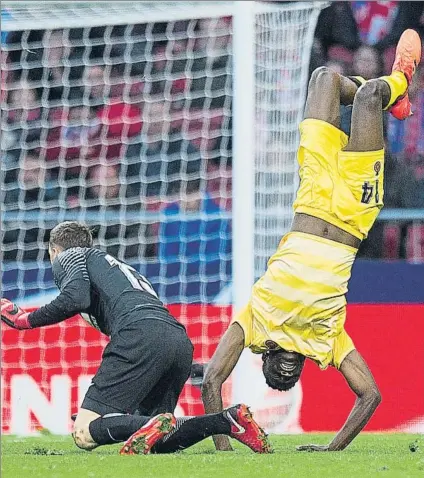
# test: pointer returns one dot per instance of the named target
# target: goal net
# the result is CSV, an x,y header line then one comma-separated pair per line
x,y
119,115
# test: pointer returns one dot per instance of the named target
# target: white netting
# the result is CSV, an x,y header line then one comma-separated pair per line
x,y
120,115
284,41
125,127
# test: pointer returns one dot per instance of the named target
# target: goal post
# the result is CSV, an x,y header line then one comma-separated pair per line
x,y
272,48
272,51
125,114
243,217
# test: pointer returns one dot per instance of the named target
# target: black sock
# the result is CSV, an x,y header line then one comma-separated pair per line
x,y
115,428
191,430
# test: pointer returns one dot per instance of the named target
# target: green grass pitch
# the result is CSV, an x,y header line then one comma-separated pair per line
x,y
370,455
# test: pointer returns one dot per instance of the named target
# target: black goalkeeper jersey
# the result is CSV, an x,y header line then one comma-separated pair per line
x,y
106,292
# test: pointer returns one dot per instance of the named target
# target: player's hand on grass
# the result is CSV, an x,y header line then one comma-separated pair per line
x,y
14,316
313,448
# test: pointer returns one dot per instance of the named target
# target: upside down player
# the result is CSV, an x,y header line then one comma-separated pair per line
x,y
297,308
146,363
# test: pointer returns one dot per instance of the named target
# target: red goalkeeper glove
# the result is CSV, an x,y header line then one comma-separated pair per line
x,y
14,316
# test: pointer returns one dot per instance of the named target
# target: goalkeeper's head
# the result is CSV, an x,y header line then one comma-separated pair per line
x,y
69,234
281,368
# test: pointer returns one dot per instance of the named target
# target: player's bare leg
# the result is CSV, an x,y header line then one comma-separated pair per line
x,y
367,117
326,91
81,433
387,92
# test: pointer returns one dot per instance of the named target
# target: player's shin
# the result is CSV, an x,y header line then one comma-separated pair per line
x,y
115,428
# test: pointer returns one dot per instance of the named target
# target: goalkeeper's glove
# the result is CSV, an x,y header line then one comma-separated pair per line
x,y
14,316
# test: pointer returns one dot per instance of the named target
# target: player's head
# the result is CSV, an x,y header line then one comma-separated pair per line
x,y
281,368
68,234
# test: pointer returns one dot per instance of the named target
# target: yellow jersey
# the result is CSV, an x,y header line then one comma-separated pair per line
x,y
344,188
299,302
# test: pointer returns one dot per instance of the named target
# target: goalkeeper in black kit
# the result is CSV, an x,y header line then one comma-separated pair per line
x,y
145,365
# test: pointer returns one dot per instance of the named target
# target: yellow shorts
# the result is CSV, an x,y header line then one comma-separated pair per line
x,y
343,188
299,303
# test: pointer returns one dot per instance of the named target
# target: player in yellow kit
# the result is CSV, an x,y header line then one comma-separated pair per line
x,y
297,308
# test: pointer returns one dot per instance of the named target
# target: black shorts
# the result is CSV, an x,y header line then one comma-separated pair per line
x,y
143,369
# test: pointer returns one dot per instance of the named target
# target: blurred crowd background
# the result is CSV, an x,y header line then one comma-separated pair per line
x,y
92,120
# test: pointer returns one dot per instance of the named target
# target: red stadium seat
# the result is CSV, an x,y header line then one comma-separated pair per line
x,y
415,242
391,241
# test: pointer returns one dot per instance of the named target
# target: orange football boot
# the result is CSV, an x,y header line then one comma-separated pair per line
x,y
141,442
408,57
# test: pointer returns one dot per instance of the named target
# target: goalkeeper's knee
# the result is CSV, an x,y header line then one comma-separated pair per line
x,y
83,439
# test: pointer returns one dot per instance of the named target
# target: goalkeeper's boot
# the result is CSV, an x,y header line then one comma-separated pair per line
x,y
246,430
408,57
142,441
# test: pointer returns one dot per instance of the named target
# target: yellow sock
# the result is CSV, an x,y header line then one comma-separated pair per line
x,y
398,85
